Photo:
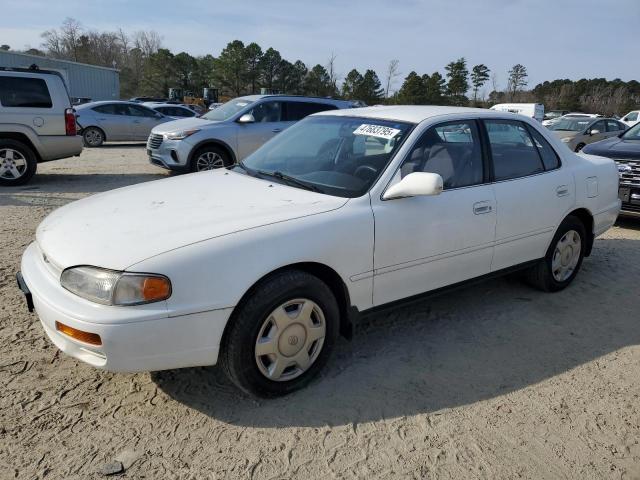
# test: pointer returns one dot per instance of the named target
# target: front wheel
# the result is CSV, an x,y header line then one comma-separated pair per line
x,y
563,259
281,337
209,158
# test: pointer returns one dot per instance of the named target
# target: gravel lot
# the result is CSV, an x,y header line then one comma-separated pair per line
x,y
494,381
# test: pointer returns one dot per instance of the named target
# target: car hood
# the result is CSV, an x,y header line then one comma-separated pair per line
x,y
122,227
183,124
616,147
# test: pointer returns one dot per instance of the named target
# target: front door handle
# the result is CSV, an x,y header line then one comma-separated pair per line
x,y
276,130
480,208
562,191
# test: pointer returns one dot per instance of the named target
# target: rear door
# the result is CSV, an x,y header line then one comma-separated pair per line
x,y
114,119
533,191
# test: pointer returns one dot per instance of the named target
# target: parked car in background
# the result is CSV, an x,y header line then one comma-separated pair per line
x,y
546,123
531,110
624,149
259,267
148,99
229,133
576,132
631,118
175,112
213,106
111,121
552,114
37,123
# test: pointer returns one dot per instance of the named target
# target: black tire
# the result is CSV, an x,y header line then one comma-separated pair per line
x,y
579,147
238,356
93,137
218,158
25,162
541,275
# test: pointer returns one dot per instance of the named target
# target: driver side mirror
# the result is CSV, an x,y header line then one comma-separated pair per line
x,y
416,184
594,131
246,118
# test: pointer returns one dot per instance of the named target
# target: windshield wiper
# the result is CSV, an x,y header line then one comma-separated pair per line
x,y
290,180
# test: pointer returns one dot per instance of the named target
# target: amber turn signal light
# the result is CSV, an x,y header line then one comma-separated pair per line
x,y
86,337
155,288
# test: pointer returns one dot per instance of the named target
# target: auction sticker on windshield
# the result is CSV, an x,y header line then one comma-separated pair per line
x,y
376,131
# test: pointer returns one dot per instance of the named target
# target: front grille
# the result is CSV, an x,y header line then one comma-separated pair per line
x,y
154,141
629,172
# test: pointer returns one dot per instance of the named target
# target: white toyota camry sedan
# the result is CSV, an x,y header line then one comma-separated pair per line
x,y
259,267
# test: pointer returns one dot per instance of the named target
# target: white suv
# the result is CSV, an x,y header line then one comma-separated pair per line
x,y
37,122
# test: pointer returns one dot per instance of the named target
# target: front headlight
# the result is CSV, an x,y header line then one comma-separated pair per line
x,y
180,135
110,287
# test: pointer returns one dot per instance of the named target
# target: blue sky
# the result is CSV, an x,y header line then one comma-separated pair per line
x,y
552,38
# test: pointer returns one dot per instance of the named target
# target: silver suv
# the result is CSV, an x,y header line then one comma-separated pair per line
x,y
231,132
37,122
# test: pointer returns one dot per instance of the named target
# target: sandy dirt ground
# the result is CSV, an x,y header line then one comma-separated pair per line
x,y
493,381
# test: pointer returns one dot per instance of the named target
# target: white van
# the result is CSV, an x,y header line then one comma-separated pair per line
x,y
533,110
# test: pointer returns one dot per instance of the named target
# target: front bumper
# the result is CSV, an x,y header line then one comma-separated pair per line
x,y
630,197
170,154
138,338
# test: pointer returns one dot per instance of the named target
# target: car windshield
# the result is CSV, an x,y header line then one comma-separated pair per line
x,y
633,133
570,124
227,110
336,155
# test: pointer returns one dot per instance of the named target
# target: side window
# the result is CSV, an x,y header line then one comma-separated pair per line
x,y
600,126
632,117
136,111
298,110
267,112
163,110
547,153
451,150
184,112
512,150
108,109
613,126
24,92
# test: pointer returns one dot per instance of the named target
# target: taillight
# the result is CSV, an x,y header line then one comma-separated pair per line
x,y
70,121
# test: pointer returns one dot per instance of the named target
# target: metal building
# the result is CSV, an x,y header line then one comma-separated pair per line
x,y
86,81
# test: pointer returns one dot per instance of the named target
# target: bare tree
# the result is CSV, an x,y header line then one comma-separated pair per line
x,y
392,74
333,75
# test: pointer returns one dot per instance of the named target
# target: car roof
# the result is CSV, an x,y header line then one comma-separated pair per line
x,y
254,98
104,102
158,104
411,113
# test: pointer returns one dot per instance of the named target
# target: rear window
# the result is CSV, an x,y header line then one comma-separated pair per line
x,y
298,110
24,92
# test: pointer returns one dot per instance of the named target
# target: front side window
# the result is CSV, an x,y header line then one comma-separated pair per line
x,y
298,110
24,92
599,126
341,156
512,150
632,117
451,150
267,112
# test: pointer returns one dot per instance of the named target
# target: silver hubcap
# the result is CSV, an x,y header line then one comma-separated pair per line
x,y
209,161
12,164
93,137
290,340
566,256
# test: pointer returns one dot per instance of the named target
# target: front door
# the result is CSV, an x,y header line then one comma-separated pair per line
x,y
269,121
424,243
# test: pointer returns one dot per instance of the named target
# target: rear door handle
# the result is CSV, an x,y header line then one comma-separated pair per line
x,y
562,191
480,208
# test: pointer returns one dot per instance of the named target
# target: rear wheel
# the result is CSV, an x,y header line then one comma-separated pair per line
x,y
93,137
281,337
209,158
18,163
563,259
